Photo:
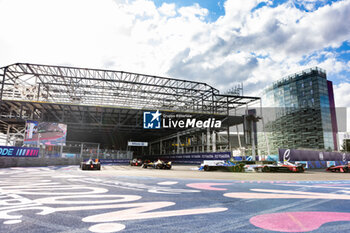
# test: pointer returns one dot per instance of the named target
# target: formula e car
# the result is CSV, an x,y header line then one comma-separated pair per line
x,y
225,165
135,162
222,165
280,167
253,167
340,168
90,165
159,164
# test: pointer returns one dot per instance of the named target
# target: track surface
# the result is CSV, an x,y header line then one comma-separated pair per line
x,y
65,199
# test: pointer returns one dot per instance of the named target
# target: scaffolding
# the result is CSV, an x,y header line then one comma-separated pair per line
x,y
106,106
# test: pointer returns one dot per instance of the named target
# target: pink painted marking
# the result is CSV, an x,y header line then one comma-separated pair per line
x,y
207,186
331,185
263,182
28,151
297,221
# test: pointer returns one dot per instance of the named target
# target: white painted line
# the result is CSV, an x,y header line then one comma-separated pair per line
x,y
168,183
107,227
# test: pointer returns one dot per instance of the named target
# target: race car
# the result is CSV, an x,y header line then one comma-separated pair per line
x,y
225,165
340,168
253,167
159,164
135,162
222,165
90,165
280,167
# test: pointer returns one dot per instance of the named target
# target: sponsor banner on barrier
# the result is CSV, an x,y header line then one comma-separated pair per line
x,y
213,162
195,158
330,163
310,155
114,161
250,158
272,158
218,155
12,151
302,162
324,164
69,155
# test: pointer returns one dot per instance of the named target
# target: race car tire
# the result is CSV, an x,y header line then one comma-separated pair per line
x,y
257,169
144,166
346,169
266,169
99,166
206,168
237,168
241,167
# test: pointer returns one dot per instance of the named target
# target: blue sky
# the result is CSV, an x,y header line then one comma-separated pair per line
x,y
221,43
216,8
341,53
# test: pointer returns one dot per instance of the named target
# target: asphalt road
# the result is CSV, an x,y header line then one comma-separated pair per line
x,y
132,199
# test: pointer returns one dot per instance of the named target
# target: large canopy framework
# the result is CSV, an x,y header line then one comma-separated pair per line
x,y
99,104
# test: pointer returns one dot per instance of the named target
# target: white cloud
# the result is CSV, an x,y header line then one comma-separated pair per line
x,y
193,11
71,32
342,95
238,11
254,47
168,9
279,39
342,99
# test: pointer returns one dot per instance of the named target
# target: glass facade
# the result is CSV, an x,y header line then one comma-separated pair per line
x,y
299,113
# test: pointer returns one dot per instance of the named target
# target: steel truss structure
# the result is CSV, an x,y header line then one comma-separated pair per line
x,y
95,103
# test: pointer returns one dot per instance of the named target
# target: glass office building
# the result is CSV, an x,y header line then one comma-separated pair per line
x,y
300,113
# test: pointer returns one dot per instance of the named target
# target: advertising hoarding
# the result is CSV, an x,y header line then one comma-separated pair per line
x,y
31,132
194,158
310,155
48,133
12,151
